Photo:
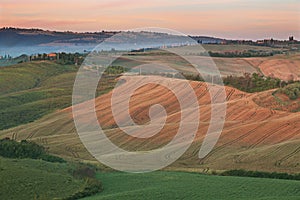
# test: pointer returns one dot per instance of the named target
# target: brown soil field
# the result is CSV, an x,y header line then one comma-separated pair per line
x,y
255,135
284,67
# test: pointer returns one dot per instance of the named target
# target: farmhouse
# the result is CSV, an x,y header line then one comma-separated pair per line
x,y
52,56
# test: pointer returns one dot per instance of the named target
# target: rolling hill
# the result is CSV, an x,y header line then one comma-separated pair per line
x,y
31,90
255,137
284,67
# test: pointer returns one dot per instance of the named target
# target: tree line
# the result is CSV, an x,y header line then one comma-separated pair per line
x,y
241,54
247,83
61,58
25,149
253,82
258,174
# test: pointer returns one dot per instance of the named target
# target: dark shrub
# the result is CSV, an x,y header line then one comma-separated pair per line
x,y
93,186
84,172
25,149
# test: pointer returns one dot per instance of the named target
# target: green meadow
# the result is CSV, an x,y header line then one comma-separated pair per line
x,y
185,185
36,179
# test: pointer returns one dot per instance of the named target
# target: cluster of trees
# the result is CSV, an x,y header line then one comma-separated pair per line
x,y
5,57
247,82
25,149
61,58
70,58
115,70
39,56
291,90
239,54
193,77
253,83
258,174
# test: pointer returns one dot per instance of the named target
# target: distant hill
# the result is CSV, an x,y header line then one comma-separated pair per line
x,y
33,37
23,37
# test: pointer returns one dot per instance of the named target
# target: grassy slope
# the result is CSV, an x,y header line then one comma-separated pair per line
x,y
31,90
181,185
29,75
29,179
28,91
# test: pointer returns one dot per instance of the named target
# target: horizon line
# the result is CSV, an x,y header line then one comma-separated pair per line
x,y
103,30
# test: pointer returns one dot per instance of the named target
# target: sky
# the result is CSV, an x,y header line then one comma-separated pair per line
x,y
231,19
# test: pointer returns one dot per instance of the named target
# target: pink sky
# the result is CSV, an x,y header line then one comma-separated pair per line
x,y
241,19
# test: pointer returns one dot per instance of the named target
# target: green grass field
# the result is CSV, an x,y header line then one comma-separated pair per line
x,y
29,91
36,179
183,185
